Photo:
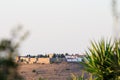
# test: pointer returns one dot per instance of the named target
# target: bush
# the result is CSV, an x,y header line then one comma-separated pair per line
x,y
8,52
42,78
74,77
103,60
34,70
67,69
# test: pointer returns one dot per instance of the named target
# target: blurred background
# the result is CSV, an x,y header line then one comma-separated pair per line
x,y
57,26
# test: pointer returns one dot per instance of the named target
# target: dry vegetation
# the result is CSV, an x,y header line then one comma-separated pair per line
x,y
55,71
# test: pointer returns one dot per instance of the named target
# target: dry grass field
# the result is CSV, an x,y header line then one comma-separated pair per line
x,y
55,71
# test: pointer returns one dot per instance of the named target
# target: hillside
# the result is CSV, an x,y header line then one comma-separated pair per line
x,y
55,71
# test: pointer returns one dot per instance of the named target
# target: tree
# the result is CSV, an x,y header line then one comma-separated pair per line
x,y
54,55
66,54
62,56
8,51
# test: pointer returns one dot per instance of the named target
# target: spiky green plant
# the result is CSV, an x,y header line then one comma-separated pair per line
x,y
74,77
103,60
81,77
40,78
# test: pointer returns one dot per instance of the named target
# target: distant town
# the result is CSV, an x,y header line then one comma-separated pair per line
x,y
49,58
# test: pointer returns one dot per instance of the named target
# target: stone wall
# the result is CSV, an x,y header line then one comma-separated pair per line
x,y
32,60
43,60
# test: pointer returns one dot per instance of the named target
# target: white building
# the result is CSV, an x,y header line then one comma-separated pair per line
x,y
73,58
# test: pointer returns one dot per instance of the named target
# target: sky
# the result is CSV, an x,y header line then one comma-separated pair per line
x,y
57,26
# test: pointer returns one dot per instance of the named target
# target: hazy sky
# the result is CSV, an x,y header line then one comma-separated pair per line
x,y
58,26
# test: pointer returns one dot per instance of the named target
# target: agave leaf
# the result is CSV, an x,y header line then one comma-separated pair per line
x,y
103,60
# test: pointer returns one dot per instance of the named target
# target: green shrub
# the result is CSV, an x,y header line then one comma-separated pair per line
x,y
42,78
8,51
67,69
103,60
33,70
74,77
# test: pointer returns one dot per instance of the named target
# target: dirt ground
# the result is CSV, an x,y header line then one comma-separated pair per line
x,y
55,71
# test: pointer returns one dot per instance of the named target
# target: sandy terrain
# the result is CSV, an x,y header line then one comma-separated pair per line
x,y
54,71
